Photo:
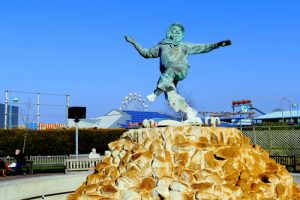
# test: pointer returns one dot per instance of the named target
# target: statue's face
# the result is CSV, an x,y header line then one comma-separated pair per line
x,y
176,33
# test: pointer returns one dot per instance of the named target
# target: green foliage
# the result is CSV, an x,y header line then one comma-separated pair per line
x,y
56,142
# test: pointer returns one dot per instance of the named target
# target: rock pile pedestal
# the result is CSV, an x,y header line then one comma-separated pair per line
x,y
187,163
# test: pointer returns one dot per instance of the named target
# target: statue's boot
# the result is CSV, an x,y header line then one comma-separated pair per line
x,y
151,97
191,114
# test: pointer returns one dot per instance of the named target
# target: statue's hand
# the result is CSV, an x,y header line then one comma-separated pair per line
x,y
224,43
129,39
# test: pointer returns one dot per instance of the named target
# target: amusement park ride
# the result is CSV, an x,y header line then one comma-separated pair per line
x,y
240,109
134,101
244,108
242,112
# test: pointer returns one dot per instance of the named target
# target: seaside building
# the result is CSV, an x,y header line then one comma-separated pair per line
x,y
12,116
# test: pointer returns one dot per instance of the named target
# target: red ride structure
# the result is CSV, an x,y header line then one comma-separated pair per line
x,y
245,103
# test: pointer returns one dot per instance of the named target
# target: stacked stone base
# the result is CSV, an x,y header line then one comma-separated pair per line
x,y
187,163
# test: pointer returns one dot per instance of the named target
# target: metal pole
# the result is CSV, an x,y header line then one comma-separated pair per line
x,y
27,115
67,109
254,135
295,105
38,110
76,137
25,137
6,110
298,115
270,139
240,121
10,113
282,111
290,110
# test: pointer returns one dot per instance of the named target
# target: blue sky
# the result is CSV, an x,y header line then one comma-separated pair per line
x,y
78,48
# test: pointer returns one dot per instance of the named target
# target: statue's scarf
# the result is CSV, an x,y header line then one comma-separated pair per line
x,y
171,41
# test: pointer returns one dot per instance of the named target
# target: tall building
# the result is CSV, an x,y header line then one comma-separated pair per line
x,y
12,115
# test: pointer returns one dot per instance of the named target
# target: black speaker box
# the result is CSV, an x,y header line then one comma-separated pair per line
x,y
77,112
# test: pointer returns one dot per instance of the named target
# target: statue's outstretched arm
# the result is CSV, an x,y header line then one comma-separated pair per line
x,y
146,53
204,48
129,39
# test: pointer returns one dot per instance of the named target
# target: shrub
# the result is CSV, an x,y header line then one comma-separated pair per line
x,y
56,142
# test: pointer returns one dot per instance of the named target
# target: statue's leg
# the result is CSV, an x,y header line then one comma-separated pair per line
x,y
164,84
175,100
178,103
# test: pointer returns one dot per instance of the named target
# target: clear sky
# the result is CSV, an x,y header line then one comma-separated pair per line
x,y
78,48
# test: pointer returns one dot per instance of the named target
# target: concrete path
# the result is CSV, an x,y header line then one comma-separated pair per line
x,y
8,178
29,186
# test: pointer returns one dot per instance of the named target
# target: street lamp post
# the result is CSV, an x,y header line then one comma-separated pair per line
x,y
295,105
298,115
282,111
290,110
290,102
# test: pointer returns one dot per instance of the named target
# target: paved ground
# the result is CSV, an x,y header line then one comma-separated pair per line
x,y
7,178
64,196
35,186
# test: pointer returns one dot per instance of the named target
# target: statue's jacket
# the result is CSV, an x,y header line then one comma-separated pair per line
x,y
173,56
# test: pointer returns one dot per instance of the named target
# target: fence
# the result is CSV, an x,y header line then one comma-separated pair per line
x,y
278,141
47,126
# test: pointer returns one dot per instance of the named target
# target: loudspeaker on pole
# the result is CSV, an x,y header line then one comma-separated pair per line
x,y
77,112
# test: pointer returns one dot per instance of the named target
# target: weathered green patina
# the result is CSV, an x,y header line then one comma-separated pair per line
x,y
174,66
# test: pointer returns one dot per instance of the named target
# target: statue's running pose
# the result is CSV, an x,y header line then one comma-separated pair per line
x,y
173,53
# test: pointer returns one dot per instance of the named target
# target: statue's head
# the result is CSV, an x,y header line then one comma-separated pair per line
x,y
175,32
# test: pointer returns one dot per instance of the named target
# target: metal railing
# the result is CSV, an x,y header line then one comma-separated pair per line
x,y
288,161
47,160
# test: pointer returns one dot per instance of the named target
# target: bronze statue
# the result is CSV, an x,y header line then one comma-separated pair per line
x,y
174,66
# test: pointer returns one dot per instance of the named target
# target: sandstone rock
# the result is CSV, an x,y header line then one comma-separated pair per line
x,y
187,162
